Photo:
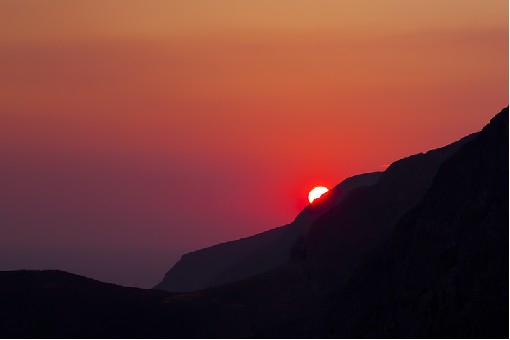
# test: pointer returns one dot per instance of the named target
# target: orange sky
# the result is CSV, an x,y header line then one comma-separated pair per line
x,y
154,127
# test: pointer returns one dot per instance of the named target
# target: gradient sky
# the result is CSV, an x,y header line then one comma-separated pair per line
x,y
134,131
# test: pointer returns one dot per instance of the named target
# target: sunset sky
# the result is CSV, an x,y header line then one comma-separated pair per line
x,y
134,131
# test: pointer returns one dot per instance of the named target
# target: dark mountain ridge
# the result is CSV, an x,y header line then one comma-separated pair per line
x,y
340,237
236,260
444,272
421,253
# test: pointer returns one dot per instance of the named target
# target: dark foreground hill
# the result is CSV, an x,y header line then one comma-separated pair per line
x,y
421,253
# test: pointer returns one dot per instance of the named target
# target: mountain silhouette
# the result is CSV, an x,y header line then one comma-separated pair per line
x,y
341,237
444,272
236,260
422,251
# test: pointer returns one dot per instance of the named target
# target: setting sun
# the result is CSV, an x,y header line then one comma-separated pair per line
x,y
316,193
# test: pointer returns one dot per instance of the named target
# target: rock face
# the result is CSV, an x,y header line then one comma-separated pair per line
x,y
342,236
244,258
444,272
421,253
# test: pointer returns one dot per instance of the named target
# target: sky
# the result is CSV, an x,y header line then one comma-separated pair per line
x,y
132,132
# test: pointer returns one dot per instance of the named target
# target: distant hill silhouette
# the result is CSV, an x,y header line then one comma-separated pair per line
x,y
423,252
236,260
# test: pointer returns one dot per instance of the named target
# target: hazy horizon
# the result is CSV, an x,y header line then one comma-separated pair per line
x,y
133,132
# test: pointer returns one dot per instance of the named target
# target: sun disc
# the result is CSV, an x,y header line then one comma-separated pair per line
x,y
316,193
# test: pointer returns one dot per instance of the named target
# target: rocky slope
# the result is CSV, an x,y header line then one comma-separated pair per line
x,y
444,272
